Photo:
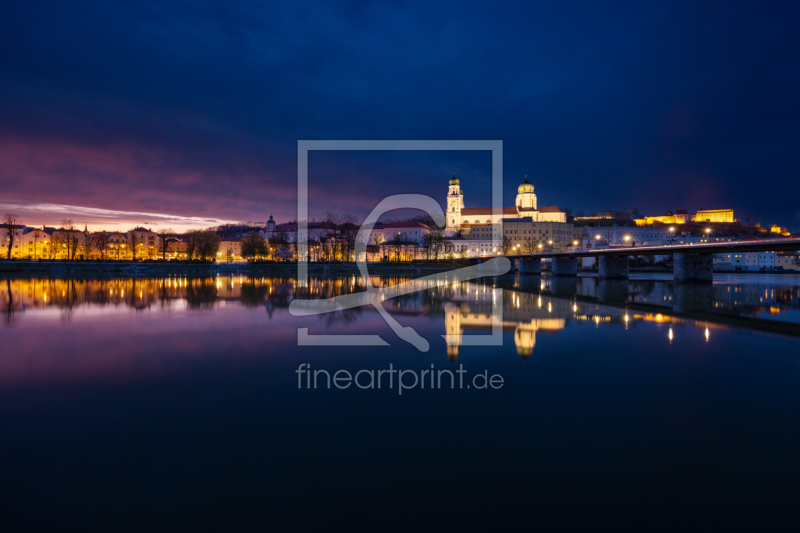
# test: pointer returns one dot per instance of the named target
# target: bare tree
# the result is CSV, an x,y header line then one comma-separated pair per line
x,y
331,226
434,244
101,242
10,221
506,245
163,244
427,244
36,237
528,246
70,237
133,245
379,242
349,229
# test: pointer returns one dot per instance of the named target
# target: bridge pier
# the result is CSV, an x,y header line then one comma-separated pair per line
x,y
564,286
693,299
613,267
612,291
565,266
693,268
530,265
527,283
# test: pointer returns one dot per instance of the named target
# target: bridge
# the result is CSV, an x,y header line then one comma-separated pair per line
x,y
692,262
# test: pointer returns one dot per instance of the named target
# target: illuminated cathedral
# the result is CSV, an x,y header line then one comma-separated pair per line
x,y
459,217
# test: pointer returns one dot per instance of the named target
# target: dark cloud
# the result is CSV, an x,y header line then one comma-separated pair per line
x,y
195,108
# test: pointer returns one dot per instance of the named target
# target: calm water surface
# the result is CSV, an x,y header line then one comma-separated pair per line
x,y
173,404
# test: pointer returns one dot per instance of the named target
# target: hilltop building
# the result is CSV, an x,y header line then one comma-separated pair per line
x,y
681,216
714,215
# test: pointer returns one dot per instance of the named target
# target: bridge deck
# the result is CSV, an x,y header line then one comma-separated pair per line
x,y
767,245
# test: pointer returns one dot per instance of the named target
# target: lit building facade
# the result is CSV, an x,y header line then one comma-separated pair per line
x,y
526,235
461,218
714,215
230,250
35,244
145,241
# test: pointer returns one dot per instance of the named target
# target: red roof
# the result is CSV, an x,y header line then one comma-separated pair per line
x,y
473,211
292,226
479,211
413,224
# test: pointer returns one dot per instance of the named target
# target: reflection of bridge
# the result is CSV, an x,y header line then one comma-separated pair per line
x,y
719,305
692,261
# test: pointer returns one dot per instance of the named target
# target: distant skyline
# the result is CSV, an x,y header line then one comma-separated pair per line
x,y
177,114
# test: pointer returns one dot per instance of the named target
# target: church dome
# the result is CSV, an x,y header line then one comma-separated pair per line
x,y
526,186
454,180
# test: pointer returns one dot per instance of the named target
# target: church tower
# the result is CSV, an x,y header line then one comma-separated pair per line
x,y
455,203
526,200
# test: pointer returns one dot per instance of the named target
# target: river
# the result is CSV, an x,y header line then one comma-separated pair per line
x,y
187,404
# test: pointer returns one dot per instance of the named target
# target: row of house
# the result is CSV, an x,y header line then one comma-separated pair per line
x,y
141,243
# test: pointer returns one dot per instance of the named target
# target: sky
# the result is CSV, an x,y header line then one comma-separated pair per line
x,y
187,114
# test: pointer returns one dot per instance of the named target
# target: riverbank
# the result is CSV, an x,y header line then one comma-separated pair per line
x,y
100,268
59,268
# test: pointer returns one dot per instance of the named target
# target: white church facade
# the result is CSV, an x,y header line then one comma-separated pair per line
x,y
460,217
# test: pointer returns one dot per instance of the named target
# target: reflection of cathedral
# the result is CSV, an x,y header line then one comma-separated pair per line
x,y
525,207
524,314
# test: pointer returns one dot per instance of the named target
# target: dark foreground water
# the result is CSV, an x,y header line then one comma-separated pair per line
x,y
176,404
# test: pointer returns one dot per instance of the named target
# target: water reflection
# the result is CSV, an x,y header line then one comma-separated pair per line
x,y
536,305
770,297
198,292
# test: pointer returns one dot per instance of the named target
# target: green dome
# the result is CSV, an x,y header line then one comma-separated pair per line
x,y
526,186
454,180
